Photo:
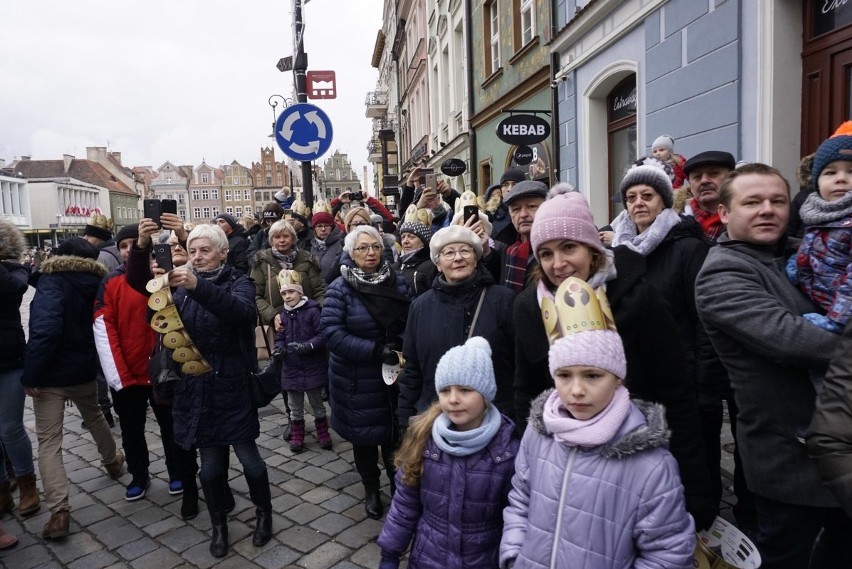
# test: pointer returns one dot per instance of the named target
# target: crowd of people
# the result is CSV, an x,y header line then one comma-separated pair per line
x,y
538,391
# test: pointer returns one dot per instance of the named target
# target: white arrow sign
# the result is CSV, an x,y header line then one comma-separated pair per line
x,y
314,119
309,148
287,128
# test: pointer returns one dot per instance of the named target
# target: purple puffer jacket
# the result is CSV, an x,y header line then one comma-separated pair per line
x,y
619,505
308,370
456,514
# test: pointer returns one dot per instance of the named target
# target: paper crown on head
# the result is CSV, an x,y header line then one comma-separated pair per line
x,y
100,226
320,205
300,210
491,200
467,198
289,279
417,221
576,307
418,215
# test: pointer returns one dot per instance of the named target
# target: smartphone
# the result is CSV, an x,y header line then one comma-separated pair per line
x,y
357,196
152,210
431,181
421,178
471,211
169,206
163,256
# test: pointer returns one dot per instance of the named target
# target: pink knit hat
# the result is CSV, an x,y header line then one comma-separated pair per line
x,y
596,348
565,214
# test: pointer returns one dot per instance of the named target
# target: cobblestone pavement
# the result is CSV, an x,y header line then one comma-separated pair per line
x,y
318,520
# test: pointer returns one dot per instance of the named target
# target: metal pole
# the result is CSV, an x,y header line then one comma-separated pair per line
x,y
300,66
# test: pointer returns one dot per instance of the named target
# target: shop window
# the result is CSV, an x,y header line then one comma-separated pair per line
x,y
622,137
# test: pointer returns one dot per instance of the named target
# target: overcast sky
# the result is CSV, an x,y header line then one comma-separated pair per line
x,y
173,80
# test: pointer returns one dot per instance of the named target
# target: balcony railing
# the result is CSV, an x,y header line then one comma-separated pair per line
x,y
377,104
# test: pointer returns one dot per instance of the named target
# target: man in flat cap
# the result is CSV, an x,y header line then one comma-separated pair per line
x,y
705,172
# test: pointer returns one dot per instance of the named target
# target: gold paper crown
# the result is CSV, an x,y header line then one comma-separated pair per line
x,y
576,307
288,277
300,208
320,205
493,202
467,198
415,215
102,222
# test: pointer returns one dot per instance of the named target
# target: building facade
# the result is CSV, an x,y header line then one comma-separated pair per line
x,y
172,182
14,199
764,80
205,199
269,176
237,195
336,176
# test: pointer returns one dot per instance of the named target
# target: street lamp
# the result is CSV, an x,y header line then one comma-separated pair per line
x,y
273,102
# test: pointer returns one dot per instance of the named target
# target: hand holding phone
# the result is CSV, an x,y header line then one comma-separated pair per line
x,y
163,256
168,206
471,211
431,181
152,209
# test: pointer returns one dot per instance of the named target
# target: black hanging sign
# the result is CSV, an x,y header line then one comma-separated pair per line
x,y
453,167
523,129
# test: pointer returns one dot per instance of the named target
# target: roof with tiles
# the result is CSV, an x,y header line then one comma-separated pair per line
x,y
84,170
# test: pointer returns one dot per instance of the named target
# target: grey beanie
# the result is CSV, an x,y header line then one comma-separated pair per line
x,y
651,175
468,365
664,141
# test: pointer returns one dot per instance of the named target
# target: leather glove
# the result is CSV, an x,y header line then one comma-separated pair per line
x,y
823,322
791,269
297,347
277,353
703,508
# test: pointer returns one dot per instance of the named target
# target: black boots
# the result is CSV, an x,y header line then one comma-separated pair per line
x,y
189,503
262,499
373,503
214,494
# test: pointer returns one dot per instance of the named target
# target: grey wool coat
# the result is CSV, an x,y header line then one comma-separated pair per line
x,y
752,314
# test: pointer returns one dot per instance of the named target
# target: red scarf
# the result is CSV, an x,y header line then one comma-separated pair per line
x,y
710,222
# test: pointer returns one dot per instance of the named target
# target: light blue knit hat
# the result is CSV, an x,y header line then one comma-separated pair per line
x,y
468,365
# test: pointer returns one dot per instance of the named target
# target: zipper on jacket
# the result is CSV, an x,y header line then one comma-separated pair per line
x,y
562,494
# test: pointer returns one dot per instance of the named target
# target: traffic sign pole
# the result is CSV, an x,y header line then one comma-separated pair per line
x,y
299,68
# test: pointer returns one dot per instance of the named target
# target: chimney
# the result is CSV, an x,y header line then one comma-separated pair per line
x,y
95,153
117,157
67,159
25,157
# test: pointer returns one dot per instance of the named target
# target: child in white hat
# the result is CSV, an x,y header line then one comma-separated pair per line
x,y
663,150
453,469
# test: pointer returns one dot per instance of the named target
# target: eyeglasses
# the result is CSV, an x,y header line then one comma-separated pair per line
x,y
450,254
375,247
358,223
322,226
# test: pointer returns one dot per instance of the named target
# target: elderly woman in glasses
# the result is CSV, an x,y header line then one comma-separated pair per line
x,y
363,320
464,301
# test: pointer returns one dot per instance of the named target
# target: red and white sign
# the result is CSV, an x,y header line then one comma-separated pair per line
x,y
321,85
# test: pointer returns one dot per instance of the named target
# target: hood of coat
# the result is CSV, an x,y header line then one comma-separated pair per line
x,y
12,242
72,264
632,437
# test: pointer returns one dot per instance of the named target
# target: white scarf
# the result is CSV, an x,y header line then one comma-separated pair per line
x,y
626,232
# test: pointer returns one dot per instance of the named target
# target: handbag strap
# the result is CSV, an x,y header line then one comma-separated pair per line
x,y
476,314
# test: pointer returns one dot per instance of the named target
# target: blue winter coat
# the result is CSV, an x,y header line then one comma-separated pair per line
x,y
215,408
363,407
615,506
455,515
61,350
308,370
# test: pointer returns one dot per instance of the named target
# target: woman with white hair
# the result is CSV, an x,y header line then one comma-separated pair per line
x,y
363,320
283,253
214,410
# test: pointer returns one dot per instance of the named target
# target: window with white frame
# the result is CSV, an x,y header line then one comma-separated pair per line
x,y
227,195
180,198
229,210
182,214
239,211
527,21
196,212
205,194
246,195
214,194
195,194
205,178
494,36
215,211
207,213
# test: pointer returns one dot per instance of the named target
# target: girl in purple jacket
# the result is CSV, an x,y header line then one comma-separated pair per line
x,y
305,368
595,486
454,470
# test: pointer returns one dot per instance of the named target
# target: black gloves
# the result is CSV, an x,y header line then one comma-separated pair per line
x,y
298,348
386,353
277,353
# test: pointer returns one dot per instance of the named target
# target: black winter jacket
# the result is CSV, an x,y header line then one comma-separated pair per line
x,y
419,271
215,408
238,245
13,286
440,319
655,365
61,350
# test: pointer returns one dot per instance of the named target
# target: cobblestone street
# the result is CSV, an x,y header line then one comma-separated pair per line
x,y
318,521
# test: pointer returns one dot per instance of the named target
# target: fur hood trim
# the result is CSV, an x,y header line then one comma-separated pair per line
x,y
654,433
12,242
71,264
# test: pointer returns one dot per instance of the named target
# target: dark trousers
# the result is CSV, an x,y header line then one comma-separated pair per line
x,y
131,405
801,537
103,392
367,463
711,412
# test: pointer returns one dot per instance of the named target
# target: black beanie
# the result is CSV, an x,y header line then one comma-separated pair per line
x,y
77,247
127,232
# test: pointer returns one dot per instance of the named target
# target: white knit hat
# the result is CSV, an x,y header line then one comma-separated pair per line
x,y
664,141
468,365
454,234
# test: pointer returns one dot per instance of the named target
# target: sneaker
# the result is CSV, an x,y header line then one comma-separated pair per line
x,y
114,468
175,488
136,488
